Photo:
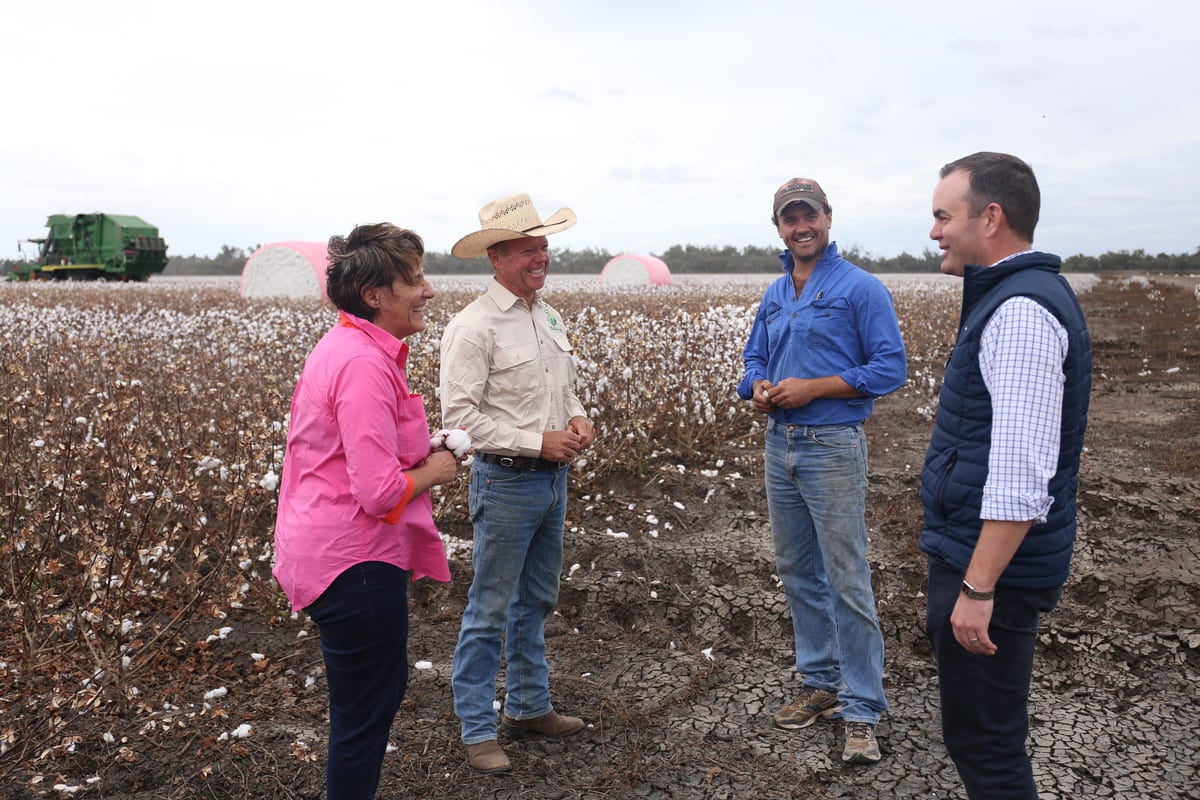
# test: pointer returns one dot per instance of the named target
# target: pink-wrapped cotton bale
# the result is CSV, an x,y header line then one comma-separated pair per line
x,y
636,270
286,269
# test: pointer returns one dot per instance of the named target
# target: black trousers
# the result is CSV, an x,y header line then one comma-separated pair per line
x,y
985,716
363,620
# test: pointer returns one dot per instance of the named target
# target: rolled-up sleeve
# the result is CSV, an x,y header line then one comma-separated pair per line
x,y
886,366
755,355
364,402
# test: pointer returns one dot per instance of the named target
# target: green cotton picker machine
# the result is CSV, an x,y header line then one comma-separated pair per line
x,y
95,246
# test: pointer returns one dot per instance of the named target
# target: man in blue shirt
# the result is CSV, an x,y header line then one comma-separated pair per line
x,y
1000,477
824,345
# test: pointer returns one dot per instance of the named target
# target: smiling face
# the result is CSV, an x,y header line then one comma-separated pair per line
x,y
522,265
400,308
805,231
960,236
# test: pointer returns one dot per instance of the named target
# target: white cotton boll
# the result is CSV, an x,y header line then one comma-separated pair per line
x,y
458,441
270,481
216,694
424,665
707,653
455,440
242,731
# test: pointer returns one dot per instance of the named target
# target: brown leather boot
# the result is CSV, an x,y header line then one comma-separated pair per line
x,y
554,725
488,757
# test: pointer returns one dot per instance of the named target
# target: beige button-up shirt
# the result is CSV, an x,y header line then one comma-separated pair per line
x,y
507,373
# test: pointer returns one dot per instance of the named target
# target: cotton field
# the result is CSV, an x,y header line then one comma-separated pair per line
x,y
144,429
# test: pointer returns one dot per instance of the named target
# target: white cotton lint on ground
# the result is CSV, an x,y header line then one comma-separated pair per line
x,y
423,665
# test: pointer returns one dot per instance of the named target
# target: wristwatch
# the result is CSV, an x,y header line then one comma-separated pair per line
x,y
974,594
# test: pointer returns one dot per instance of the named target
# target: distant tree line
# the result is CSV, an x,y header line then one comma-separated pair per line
x,y
688,259
704,259
229,261
1137,261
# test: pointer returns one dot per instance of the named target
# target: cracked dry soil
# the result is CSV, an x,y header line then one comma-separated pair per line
x,y
1114,702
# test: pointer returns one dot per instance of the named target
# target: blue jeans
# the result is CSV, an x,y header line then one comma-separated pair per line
x,y
816,480
518,518
363,620
985,716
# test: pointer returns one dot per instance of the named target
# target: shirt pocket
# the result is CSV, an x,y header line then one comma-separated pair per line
x,y
831,325
560,340
412,432
776,322
515,370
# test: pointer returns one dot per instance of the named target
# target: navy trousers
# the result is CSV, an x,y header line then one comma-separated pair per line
x,y
985,715
363,620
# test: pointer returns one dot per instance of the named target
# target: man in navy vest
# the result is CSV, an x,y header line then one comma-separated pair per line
x,y
1000,477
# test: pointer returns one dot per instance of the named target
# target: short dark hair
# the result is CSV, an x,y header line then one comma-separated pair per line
x,y
1005,180
372,255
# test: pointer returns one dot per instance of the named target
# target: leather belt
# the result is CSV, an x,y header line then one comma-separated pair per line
x,y
521,462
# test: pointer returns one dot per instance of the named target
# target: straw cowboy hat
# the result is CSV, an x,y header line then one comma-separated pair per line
x,y
510,218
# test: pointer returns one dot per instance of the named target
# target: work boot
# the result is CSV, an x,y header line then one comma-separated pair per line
x,y
861,745
488,757
811,705
554,725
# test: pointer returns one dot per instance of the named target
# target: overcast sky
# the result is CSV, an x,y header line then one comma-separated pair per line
x,y
659,122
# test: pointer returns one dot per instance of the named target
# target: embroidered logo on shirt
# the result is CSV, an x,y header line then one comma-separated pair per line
x,y
553,320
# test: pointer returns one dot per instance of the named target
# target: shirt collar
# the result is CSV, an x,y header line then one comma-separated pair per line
x,y
396,349
504,298
1014,255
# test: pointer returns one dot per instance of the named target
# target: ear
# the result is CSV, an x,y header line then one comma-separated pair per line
x,y
994,219
370,297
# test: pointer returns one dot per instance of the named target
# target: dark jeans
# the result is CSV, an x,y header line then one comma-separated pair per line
x,y
985,717
363,619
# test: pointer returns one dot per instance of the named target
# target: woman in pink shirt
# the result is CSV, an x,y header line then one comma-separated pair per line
x,y
355,519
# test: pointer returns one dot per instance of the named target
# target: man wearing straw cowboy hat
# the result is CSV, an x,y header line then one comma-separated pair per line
x,y
507,378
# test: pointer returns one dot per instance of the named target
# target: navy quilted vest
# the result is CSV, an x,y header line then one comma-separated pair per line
x,y
956,464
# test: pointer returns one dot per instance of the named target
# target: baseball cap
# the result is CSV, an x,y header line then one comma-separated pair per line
x,y
800,190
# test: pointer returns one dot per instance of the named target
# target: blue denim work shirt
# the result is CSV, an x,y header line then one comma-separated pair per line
x,y
843,323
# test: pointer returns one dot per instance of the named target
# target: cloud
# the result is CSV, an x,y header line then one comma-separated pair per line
x,y
659,123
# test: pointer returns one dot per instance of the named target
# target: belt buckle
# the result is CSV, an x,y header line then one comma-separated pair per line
x,y
507,461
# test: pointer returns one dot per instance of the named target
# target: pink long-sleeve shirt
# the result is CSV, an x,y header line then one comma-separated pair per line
x,y
345,498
